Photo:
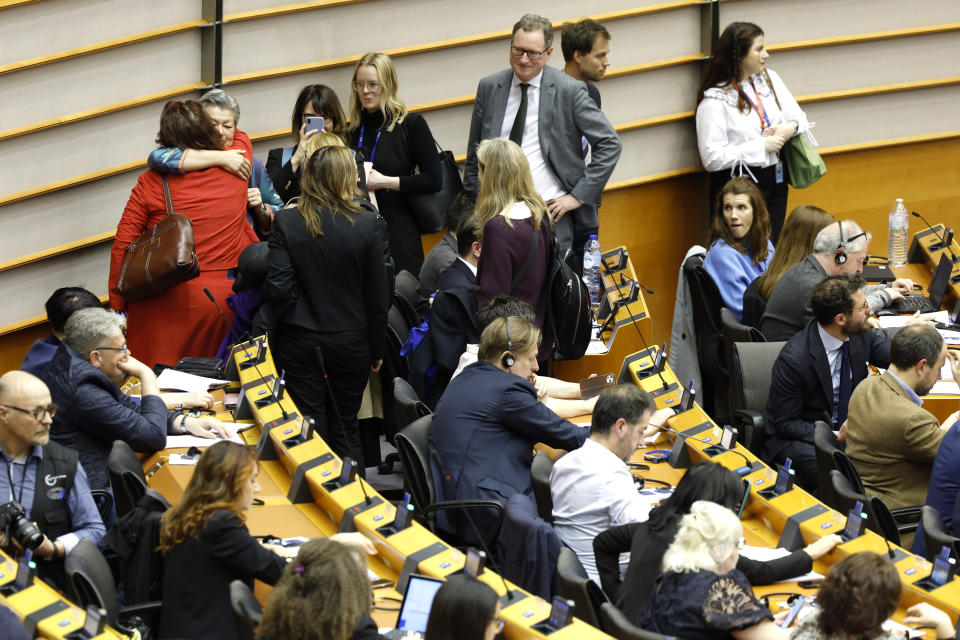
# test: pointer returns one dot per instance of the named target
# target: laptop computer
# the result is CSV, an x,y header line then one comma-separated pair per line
x,y
415,610
937,289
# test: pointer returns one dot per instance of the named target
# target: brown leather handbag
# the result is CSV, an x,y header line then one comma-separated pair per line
x,y
161,257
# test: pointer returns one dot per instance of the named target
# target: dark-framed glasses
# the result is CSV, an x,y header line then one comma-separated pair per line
x,y
531,54
38,413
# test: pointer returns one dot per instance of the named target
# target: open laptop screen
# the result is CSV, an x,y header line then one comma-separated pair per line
x,y
940,280
415,610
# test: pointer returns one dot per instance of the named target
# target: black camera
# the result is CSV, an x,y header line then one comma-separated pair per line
x,y
14,523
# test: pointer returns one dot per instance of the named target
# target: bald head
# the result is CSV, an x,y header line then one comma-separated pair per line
x,y
15,384
23,397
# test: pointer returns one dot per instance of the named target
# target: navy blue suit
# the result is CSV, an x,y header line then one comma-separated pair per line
x,y
801,392
944,488
456,276
484,430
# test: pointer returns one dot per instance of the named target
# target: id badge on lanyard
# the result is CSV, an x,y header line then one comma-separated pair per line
x,y
766,128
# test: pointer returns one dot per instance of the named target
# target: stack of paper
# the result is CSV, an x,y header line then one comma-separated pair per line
x,y
173,380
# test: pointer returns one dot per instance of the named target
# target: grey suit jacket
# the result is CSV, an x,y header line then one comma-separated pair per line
x,y
567,114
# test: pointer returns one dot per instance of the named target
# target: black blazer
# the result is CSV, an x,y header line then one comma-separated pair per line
x,y
801,389
457,275
334,282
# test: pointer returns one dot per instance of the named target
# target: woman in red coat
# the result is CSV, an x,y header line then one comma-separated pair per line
x,y
182,321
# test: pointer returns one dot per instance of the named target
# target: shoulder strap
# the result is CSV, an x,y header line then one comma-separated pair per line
x,y
526,262
166,195
766,76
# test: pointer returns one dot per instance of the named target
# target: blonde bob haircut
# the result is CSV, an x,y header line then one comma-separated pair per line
x,y
329,182
708,536
524,337
392,107
322,139
506,179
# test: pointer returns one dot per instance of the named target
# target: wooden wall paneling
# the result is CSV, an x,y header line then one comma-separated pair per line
x,y
638,96
786,22
32,284
14,346
867,64
46,28
64,216
657,149
89,82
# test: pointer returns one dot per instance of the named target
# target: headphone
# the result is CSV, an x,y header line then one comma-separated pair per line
x,y
508,359
840,253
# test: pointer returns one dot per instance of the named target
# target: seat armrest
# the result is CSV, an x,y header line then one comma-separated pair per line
x,y
472,504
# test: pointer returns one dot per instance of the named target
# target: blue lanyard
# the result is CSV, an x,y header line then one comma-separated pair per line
x,y
373,152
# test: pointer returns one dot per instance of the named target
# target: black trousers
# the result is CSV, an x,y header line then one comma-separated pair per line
x,y
346,358
774,194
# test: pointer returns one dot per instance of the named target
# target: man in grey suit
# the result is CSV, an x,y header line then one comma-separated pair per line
x,y
548,114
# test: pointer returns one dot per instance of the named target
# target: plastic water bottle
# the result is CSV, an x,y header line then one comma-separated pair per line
x,y
899,232
591,270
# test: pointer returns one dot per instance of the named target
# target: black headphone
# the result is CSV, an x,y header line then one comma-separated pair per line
x,y
840,253
508,359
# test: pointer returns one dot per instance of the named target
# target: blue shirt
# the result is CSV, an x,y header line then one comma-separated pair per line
x,y
733,272
831,347
944,485
84,514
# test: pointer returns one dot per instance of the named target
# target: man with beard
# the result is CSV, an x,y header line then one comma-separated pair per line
x,y
816,372
891,438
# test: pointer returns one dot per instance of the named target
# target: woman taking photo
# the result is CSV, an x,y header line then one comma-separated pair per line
x,y
327,282
182,321
508,212
745,114
740,247
796,243
397,143
464,609
284,163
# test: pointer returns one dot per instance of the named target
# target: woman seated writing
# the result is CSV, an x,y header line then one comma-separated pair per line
x,y
740,248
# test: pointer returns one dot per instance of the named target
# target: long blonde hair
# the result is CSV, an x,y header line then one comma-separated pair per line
x,y
795,243
506,180
392,107
329,182
322,139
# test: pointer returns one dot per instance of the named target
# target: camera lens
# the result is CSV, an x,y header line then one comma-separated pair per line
x,y
25,533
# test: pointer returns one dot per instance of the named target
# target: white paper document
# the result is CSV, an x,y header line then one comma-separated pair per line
x,y
173,380
765,554
899,321
187,441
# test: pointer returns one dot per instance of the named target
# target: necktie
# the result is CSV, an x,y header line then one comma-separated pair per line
x,y
846,384
516,133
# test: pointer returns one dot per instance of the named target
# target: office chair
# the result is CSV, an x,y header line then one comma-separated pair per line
x,y
907,518
614,623
413,445
540,476
935,534
247,612
104,502
825,444
126,477
576,585
750,374
733,332
406,296
407,404
880,519
705,305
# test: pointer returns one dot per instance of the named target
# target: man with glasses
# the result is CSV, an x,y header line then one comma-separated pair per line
x,y
83,379
548,114
816,372
41,476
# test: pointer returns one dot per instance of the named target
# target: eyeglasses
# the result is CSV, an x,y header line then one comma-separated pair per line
x,y
373,87
865,307
517,52
38,413
123,350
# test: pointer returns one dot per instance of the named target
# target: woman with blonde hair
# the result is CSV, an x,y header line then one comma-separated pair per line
x,y
700,594
327,282
796,243
515,232
396,143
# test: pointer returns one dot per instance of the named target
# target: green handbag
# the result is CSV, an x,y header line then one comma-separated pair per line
x,y
804,164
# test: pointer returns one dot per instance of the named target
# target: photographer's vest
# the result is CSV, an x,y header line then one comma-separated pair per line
x,y
55,475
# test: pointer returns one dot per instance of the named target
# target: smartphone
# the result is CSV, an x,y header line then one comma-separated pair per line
x,y
95,621
745,498
475,562
561,612
854,522
402,520
314,123
783,477
794,610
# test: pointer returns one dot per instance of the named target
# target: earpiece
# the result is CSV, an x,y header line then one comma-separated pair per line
x,y
840,255
508,360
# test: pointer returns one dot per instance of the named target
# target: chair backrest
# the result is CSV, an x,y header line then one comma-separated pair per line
x,y
407,286
705,304
247,612
407,404
574,584
734,332
397,332
883,520
614,623
90,579
752,370
846,495
126,477
540,476
844,465
825,444
104,502
413,445
935,534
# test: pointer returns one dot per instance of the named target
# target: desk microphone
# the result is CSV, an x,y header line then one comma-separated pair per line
x,y
233,334
869,506
664,427
943,243
509,595
633,320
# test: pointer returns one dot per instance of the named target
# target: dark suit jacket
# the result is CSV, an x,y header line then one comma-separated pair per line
x,y
484,430
567,115
456,276
801,389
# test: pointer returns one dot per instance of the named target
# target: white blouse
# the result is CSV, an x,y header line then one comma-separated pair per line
x,y
728,137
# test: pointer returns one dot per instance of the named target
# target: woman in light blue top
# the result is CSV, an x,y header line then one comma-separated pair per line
x,y
740,247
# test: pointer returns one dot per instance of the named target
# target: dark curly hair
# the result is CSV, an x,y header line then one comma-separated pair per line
x,y
859,593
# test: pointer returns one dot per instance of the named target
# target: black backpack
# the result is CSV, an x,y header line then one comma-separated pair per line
x,y
134,539
568,306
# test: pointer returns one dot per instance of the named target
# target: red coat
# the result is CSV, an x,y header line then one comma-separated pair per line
x,y
182,321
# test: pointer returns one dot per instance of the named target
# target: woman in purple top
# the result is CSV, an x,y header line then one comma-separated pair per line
x,y
514,259
740,247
